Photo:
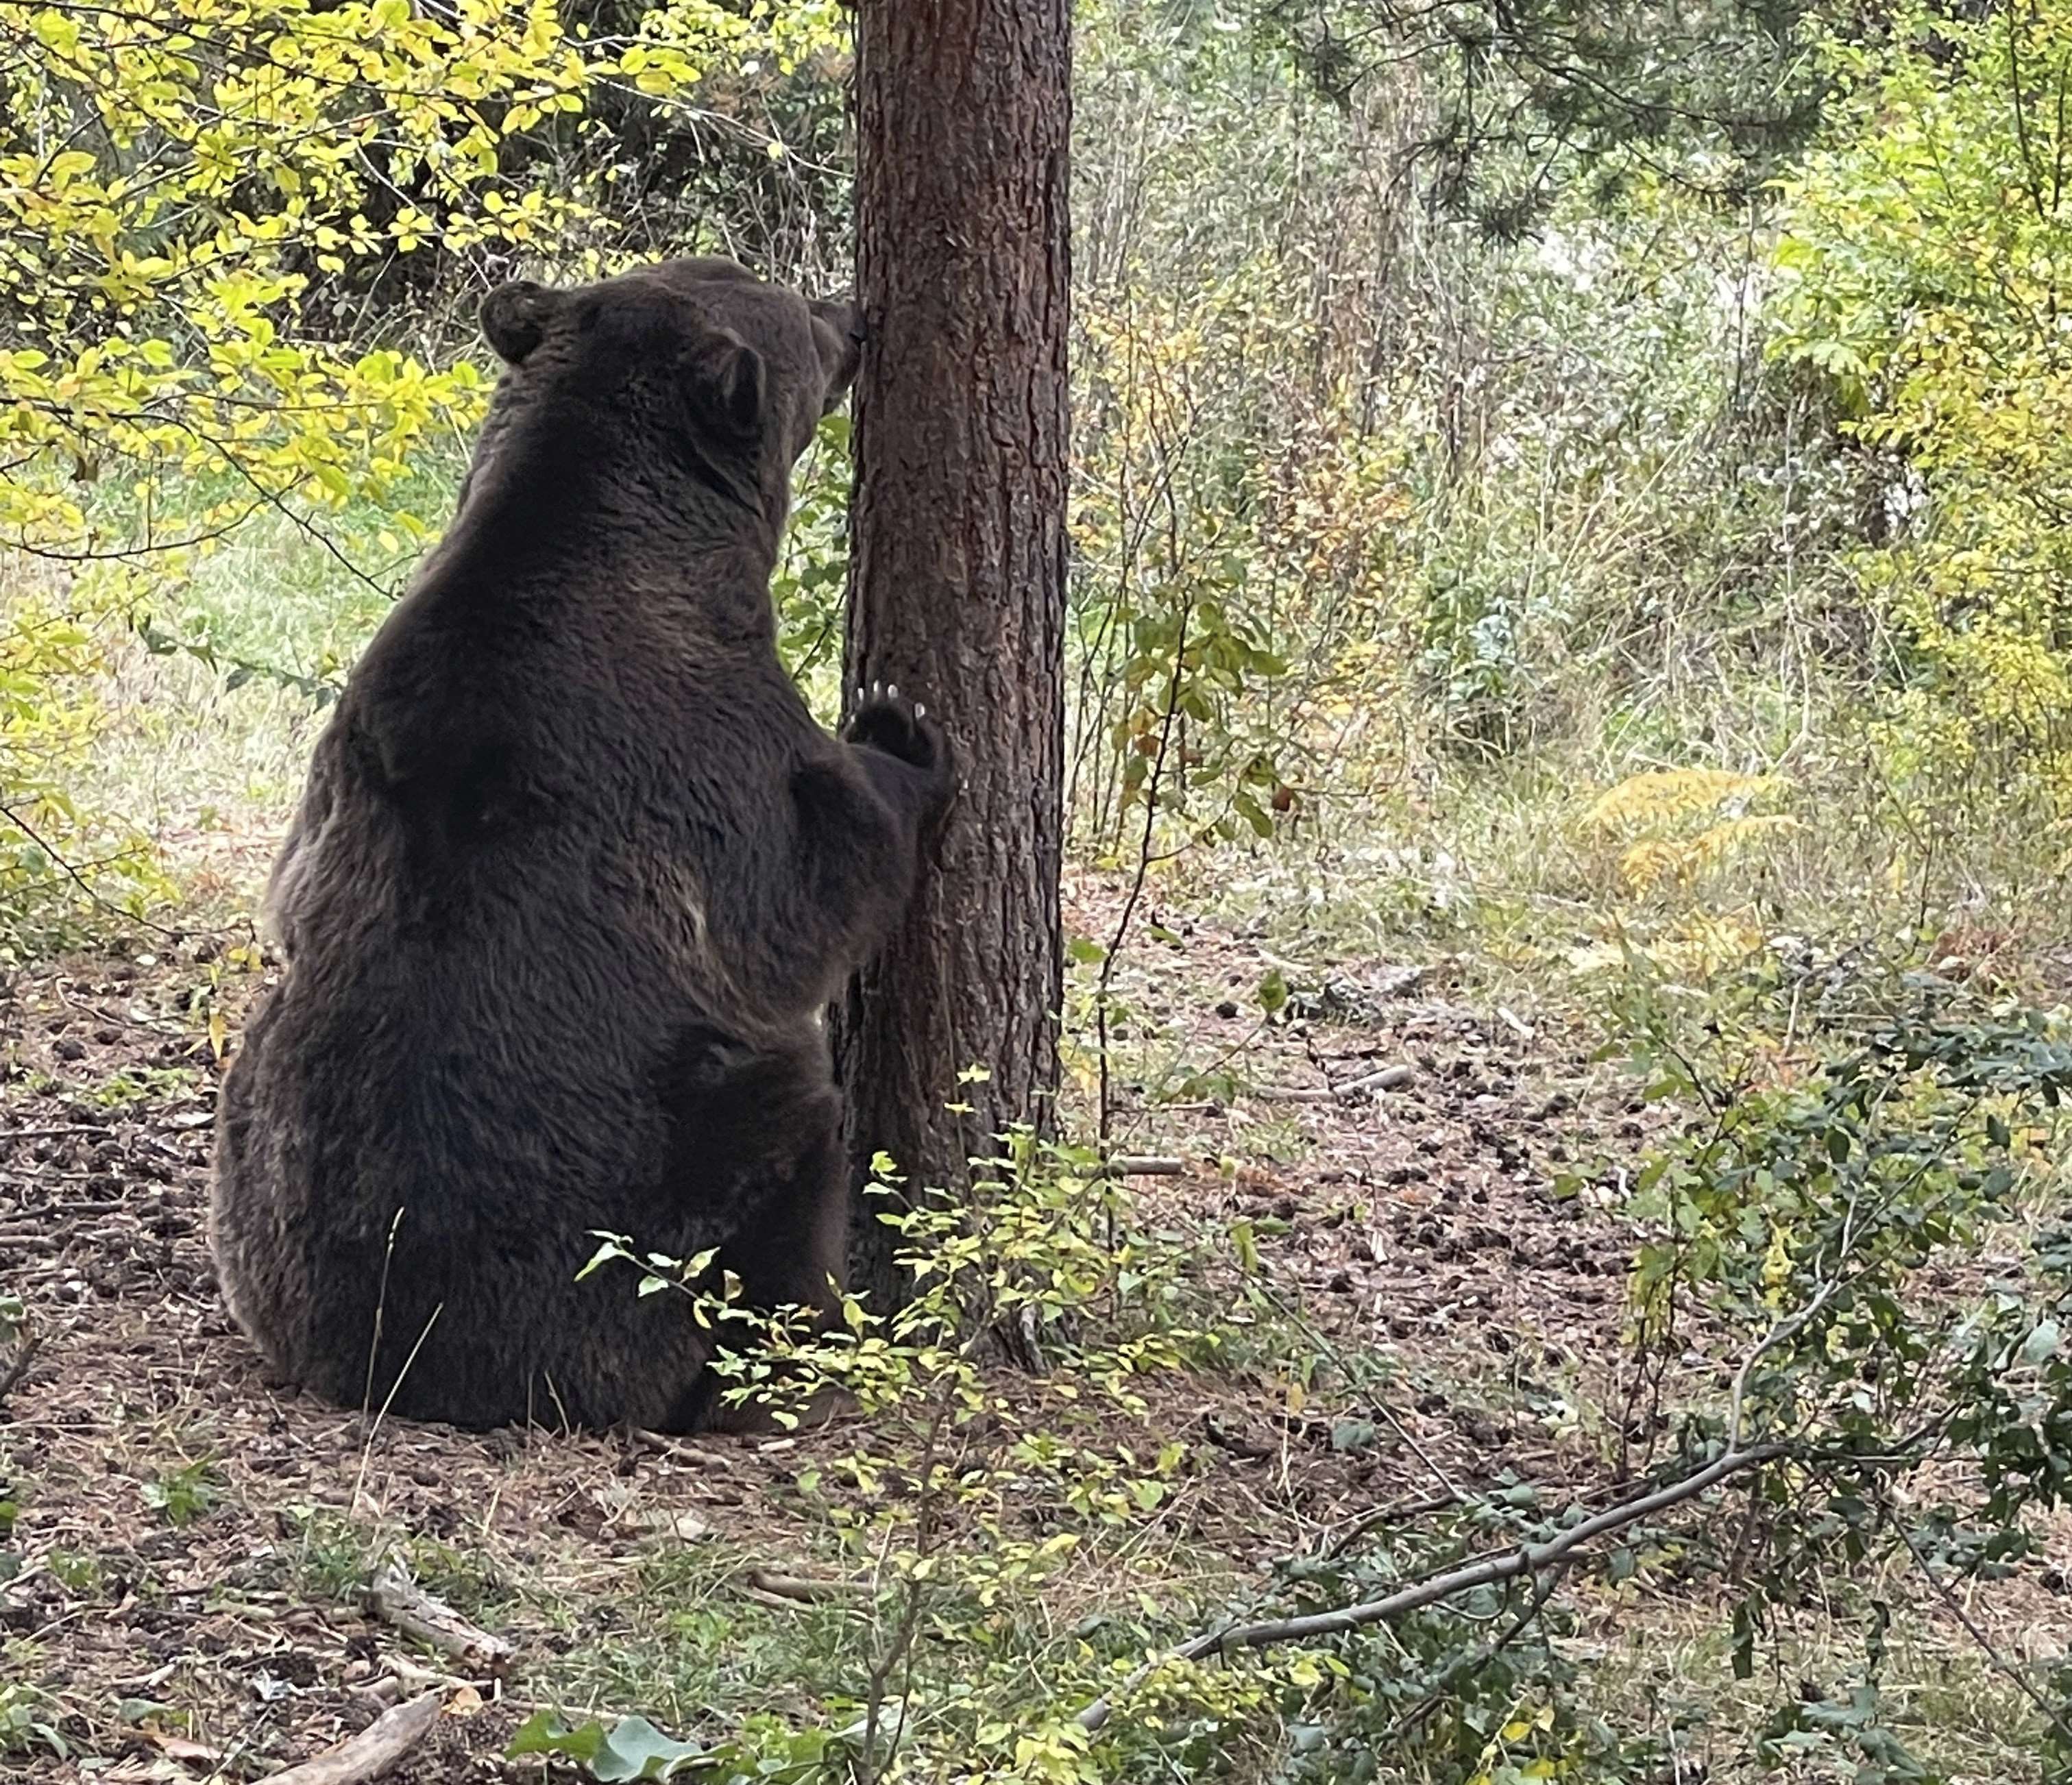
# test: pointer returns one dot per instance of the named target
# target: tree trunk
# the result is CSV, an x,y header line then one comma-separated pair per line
x,y
957,590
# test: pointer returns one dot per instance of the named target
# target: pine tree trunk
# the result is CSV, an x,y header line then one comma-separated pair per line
x,y
958,563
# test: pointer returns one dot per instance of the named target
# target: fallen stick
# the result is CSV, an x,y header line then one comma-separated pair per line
x,y
373,1751
395,1599
1531,1559
803,1588
662,1445
1389,1078
1144,1165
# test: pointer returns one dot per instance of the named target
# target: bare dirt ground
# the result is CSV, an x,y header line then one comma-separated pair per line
x,y
192,1539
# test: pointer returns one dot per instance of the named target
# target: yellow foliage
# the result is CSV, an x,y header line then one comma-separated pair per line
x,y
1653,860
50,715
180,179
1922,269
1663,795
1660,806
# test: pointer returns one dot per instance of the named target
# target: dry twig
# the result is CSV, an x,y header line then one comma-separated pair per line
x,y
678,1452
395,1599
1389,1078
374,1751
804,1589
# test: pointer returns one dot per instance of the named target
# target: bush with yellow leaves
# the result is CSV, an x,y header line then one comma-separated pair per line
x,y
1922,267
200,203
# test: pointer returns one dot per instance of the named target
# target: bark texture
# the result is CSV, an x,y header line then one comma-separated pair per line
x,y
958,564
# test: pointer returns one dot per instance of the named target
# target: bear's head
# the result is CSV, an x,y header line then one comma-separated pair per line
x,y
691,364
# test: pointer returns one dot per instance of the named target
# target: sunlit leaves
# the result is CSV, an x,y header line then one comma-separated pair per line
x,y
213,219
1922,272
182,181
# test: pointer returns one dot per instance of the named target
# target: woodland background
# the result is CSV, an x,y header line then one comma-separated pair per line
x,y
1570,597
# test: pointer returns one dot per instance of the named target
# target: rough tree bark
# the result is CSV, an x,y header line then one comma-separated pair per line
x,y
957,591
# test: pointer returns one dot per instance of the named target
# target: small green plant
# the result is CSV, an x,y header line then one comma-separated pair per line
x,y
77,1571
25,1723
133,1086
973,1486
335,1557
183,1495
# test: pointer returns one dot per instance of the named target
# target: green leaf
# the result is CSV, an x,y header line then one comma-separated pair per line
x,y
636,1750
2042,1344
608,1249
632,1748
544,1732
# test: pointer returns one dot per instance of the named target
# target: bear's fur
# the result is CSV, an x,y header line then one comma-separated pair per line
x,y
573,877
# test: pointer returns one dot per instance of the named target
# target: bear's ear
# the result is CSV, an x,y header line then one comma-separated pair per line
x,y
516,317
726,381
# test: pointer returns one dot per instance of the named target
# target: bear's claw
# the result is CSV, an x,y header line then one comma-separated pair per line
x,y
886,721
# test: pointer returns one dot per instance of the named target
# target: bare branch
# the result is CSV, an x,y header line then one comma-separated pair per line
x,y
1532,1559
1389,1078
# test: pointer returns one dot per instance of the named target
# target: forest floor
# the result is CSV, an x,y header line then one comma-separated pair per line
x,y
194,1539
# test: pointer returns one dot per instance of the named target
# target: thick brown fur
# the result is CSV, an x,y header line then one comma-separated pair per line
x,y
573,877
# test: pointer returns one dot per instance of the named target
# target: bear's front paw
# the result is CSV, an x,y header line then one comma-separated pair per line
x,y
885,719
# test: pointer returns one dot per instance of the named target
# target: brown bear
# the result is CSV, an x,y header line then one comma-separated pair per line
x,y
573,878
